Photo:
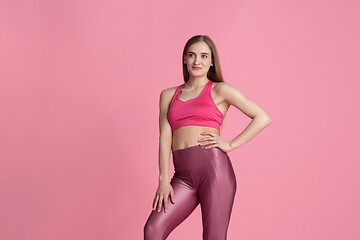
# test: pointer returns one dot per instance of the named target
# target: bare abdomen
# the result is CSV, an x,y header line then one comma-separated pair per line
x,y
188,136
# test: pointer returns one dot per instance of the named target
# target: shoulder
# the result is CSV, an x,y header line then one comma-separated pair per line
x,y
224,88
167,93
229,92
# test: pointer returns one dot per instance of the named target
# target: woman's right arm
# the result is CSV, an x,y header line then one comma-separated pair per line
x,y
165,136
165,141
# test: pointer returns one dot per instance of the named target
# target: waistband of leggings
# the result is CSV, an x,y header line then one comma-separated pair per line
x,y
196,148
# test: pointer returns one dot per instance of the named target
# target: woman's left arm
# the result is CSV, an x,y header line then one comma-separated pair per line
x,y
260,119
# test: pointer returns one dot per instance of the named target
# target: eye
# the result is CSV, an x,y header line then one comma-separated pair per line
x,y
205,56
190,54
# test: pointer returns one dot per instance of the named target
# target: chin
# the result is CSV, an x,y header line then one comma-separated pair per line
x,y
196,74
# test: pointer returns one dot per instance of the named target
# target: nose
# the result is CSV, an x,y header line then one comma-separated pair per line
x,y
196,60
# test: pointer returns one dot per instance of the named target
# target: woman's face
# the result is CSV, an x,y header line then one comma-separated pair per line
x,y
198,59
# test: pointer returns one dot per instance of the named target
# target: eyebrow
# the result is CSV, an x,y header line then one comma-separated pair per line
x,y
202,52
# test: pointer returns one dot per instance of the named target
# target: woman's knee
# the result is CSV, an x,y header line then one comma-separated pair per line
x,y
152,231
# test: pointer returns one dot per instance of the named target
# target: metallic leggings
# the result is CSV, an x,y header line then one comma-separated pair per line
x,y
204,176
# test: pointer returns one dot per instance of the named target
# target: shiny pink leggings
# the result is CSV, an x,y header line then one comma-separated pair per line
x,y
204,176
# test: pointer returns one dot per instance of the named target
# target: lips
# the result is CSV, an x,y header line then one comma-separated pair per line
x,y
196,68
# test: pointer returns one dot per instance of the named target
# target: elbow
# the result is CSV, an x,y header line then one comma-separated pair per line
x,y
269,120
266,119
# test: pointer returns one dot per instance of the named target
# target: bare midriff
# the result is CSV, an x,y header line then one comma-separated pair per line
x,y
188,136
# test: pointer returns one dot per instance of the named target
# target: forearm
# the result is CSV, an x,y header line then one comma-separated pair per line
x,y
257,124
164,158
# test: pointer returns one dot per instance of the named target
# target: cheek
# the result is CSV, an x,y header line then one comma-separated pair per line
x,y
207,62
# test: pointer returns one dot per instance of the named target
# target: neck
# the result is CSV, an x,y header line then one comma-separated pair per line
x,y
196,82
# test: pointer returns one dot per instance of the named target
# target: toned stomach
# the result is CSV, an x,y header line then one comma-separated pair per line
x,y
188,136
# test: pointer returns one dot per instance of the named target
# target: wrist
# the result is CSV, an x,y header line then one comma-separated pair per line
x,y
163,178
231,146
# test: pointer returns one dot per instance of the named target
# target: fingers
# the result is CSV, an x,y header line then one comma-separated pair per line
x,y
172,196
206,140
166,203
210,143
163,196
158,200
208,133
160,203
155,201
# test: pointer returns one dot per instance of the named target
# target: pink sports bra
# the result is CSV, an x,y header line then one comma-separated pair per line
x,y
199,111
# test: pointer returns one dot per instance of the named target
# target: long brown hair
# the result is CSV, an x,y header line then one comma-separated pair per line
x,y
214,73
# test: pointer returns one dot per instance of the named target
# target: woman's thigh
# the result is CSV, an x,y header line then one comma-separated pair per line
x,y
216,195
160,224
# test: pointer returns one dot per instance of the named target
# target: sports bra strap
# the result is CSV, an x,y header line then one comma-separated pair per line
x,y
176,93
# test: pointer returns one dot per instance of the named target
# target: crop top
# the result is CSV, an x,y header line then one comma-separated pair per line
x,y
199,111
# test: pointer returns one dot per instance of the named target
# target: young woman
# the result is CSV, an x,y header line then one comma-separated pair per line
x,y
191,116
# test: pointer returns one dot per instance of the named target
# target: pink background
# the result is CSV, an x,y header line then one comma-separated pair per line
x,y
79,91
